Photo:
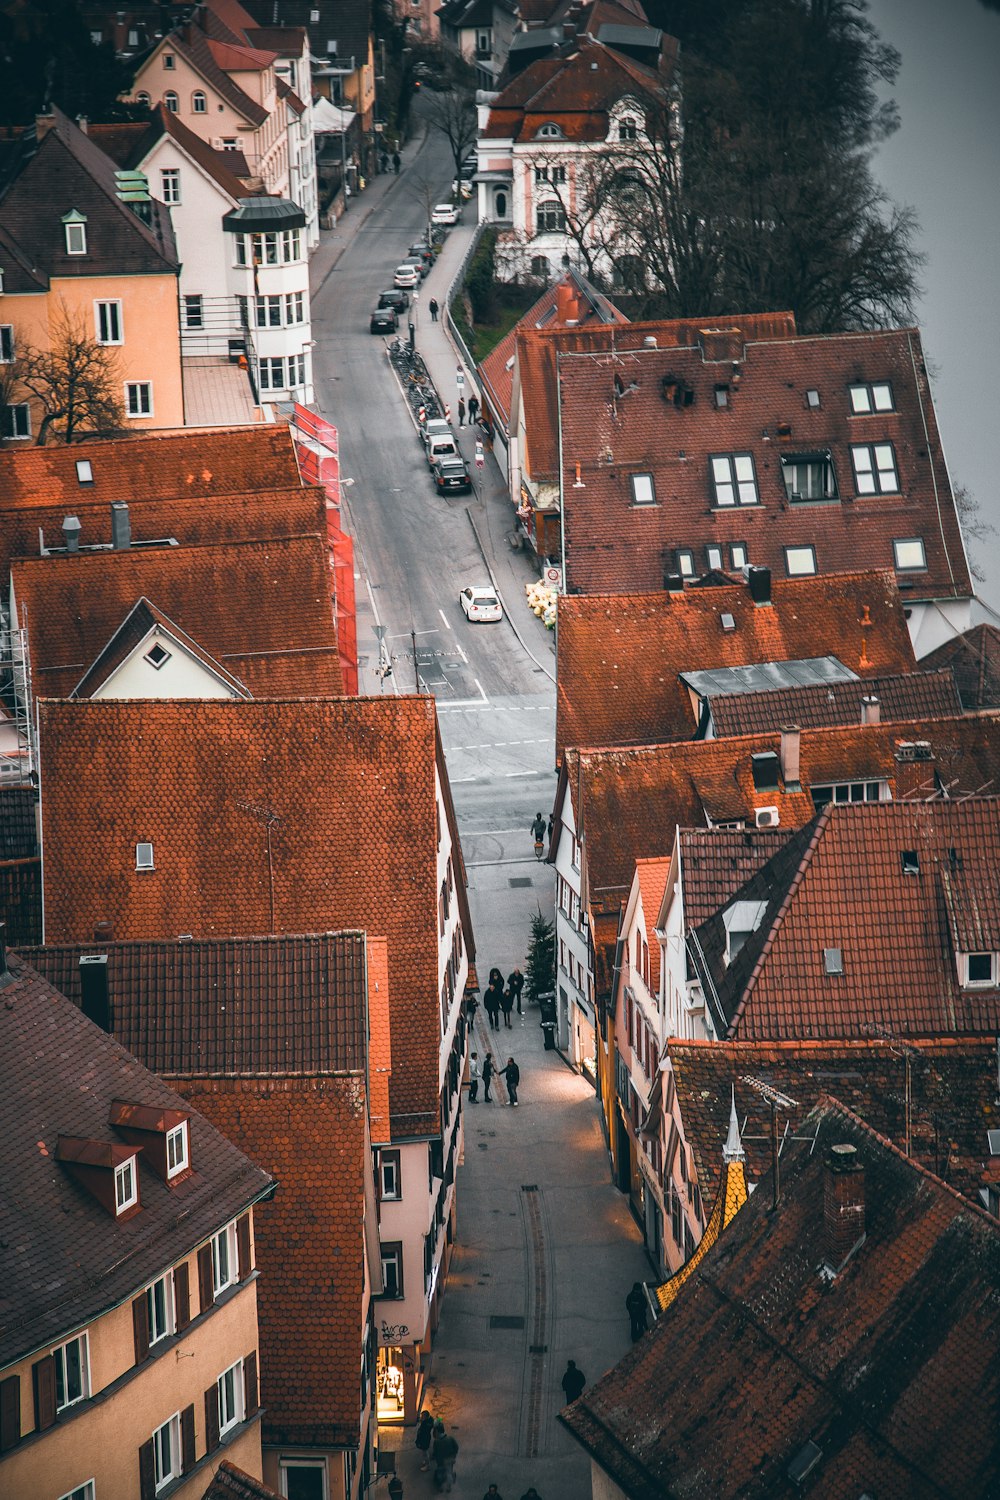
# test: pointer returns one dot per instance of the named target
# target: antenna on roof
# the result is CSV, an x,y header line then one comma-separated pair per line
x,y
269,818
902,1049
776,1100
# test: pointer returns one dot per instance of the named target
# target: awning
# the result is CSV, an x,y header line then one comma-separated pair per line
x,y
330,119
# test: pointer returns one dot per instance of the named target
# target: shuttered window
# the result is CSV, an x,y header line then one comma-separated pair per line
x,y
43,1381
10,1412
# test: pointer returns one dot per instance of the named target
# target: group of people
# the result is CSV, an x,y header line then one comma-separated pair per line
x,y
437,1446
487,1071
497,998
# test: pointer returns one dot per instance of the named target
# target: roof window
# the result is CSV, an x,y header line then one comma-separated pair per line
x,y
75,228
871,398
126,1186
833,961
107,1170
643,489
722,395
812,399
809,476
800,562
910,860
909,554
84,471
804,1462
144,857
980,969
728,621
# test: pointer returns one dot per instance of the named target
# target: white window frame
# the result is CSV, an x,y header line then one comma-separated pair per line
x,y
17,415
684,557
317,1464
291,245
76,236
713,557
157,656
162,1320
173,107
143,860
85,1491
979,984
734,480
797,558
167,1452
183,1159
134,396
389,1163
294,308
872,469
199,102
267,310
846,788
170,185
6,343
109,323
225,1259
61,1377
392,1254
870,398
898,554
232,1398
126,1185
739,556
643,489
194,302
84,471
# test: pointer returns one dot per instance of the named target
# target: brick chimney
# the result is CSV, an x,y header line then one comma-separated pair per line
x,y
843,1206
791,740
566,308
871,710
43,124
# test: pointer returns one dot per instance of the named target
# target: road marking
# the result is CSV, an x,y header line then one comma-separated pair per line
x,y
497,745
445,618
480,687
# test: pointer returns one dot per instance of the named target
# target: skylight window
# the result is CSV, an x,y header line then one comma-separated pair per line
x,y
84,471
875,469
866,399
910,860
739,557
144,856
643,490
733,479
713,556
722,395
833,961
808,476
812,399
909,554
728,621
685,562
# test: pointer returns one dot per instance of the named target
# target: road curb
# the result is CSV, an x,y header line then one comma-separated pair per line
x,y
510,619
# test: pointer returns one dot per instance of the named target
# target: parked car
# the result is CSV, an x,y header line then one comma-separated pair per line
x,y
407,275
424,251
383,320
418,263
435,427
446,213
462,186
395,297
481,604
451,475
442,445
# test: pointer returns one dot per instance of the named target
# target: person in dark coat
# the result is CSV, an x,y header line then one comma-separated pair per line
x,y
471,1006
461,411
507,1005
512,1073
473,410
573,1382
395,1488
489,1071
425,1431
515,984
638,1311
433,305
493,999
531,1494
396,162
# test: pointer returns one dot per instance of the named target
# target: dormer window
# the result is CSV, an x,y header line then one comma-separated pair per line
x,y
980,969
75,228
870,398
144,856
627,129
741,920
106,1169
177,1149
126,1186
163,1135
549,131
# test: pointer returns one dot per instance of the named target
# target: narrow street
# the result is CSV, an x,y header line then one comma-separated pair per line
x,y
546,1247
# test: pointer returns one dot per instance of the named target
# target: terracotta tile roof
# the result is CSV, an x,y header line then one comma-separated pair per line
x,y
974,657
65,1259
613,545
310,1134
230,1483
893,1374
66,170
239,1007
271,625
620,655
953,1099
715,862
379,1039
652,877
630,801
919,695
841,885
264,816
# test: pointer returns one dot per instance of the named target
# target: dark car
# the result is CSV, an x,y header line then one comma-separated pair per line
x,y
422,249
383,320
395,297
451,475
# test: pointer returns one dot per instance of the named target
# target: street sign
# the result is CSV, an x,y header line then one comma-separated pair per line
x,y
460,380
480,460
552,576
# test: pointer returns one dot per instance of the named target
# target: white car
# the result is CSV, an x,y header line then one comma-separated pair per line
x,y
481,604
445,213
407,276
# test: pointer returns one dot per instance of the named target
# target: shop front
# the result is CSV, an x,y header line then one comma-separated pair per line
x,y
390,1383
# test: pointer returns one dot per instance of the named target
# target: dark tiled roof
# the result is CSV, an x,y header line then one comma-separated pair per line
x,y
21,899
919,695
63,1259
18,830
272,816
220,165
261,609
241,1007
953,1099
894,1373
310,1133
348,22
975,660
577,89
621,655
230,1483
613,545
715,862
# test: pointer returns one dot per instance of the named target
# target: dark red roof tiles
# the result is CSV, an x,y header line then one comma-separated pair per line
x,y
917,695
974,657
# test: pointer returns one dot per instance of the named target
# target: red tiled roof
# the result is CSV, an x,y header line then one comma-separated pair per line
x,y
265,817
612,544
230,1483
892,1370
310,1134
620,655
918,695
974,657
261,609
715,862
652,877
953,1098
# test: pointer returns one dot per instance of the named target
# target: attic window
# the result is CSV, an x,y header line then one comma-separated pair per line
x,y
722,395
993,1141
979,969
643,489
869,398
144,857
713,556
75,228
910,859
84,471
764,767
126,1186
741,920
157,656
812,399
549,131
684,557
739,556
168,61
833,961
627,130
728,622
177,1149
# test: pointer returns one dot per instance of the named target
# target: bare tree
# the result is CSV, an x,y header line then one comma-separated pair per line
x,y
76,381
974,525
453,111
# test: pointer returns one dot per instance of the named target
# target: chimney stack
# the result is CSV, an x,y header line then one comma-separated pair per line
x,y
790,743
43,124
94,999
843,1206
759,581
871,711
121,528
71,533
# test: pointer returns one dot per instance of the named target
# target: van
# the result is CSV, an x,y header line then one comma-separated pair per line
x,y
442,445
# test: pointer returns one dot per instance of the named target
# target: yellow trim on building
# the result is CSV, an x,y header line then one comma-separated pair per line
x,y
733,1194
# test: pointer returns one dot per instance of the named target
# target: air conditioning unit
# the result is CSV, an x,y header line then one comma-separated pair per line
x,y
766,817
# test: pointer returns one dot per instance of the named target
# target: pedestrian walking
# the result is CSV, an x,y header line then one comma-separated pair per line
x,y
461,411
493,1493
489,1069
471,1006
433,305
473,410
512,1073
493,999
444,1452
447,413
573,1382
425,1431
475,1073
638,1311
396,162
507,1005
515,983
395,1488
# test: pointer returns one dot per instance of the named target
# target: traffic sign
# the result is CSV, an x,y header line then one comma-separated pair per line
x,y
480,460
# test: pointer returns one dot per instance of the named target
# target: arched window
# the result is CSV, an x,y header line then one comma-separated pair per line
x,y
551,218
500,205
142,98
549,131
627,129
199,103
170,100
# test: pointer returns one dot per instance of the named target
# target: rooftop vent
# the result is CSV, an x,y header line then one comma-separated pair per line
x,y
71,533
910,750
673,583
843,1207
871,710
649,342
121,528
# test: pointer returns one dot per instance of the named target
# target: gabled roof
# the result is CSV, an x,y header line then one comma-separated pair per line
x,y
953,1099
200,54
652,877
629,801
270,816
230,1483
663,419
133,150
715,862
59,169
917,695
621,655
261,609
893,1375
65,1259
842,887
144,622
576,89
974,657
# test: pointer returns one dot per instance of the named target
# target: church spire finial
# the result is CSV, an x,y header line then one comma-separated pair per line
x,y
733,1149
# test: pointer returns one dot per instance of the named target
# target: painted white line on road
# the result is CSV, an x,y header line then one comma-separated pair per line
x,y
445,618
480,687
461,653
497,745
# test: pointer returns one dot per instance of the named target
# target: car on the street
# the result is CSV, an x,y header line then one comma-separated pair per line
x,y
461,186
481,604
451,475
435,427
424,251
418,263
383,320
441,445
395,297
407,275
446,213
